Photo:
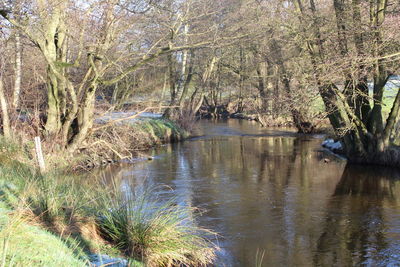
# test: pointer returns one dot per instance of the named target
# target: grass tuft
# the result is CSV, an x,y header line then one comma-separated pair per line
x,y
158,233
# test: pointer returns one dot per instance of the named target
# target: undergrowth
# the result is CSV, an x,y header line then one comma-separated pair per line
x,y
88,216
125,141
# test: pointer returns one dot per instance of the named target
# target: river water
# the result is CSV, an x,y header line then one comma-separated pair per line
x,y
275,193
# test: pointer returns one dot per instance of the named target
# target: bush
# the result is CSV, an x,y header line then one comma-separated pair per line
x,y
125,141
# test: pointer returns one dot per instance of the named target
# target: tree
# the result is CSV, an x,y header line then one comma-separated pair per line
x,y
365,137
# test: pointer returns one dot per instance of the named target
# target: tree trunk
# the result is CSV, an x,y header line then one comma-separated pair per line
x,y
4,110
242,78
261,88
172,85
85,119
299,120
53,122
17,70
187,78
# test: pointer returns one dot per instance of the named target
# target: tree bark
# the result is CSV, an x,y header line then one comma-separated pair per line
x,y
17,69
53,122
4,110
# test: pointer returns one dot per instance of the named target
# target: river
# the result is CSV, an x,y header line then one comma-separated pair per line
x,y
275,193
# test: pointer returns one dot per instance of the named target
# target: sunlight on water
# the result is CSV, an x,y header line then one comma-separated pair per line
x,y
270,190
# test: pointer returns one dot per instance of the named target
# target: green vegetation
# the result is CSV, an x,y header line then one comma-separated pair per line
x,y
58,220
162,130
24,244
159,233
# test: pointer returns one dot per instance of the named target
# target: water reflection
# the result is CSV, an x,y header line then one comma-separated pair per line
x,y
270,190
361,226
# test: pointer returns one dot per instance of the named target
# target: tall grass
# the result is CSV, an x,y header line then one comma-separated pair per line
x,y
59,203
10,151
259,257
57,197
51,196
157,232
141,226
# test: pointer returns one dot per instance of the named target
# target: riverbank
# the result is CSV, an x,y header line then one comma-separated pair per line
x,y
82,218
64,220
124,141
314,124
108,143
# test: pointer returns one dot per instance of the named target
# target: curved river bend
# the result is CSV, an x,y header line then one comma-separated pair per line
x,y
271,192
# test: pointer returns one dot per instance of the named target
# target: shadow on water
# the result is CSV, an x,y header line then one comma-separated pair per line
x,y
272,191
361,226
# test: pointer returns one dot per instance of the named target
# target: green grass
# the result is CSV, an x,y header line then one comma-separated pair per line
x,y
22,244
51,196
388,99
53,210
11,152
53,201
157,232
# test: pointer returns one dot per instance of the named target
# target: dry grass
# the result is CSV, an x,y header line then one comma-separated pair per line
x,y
125,141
